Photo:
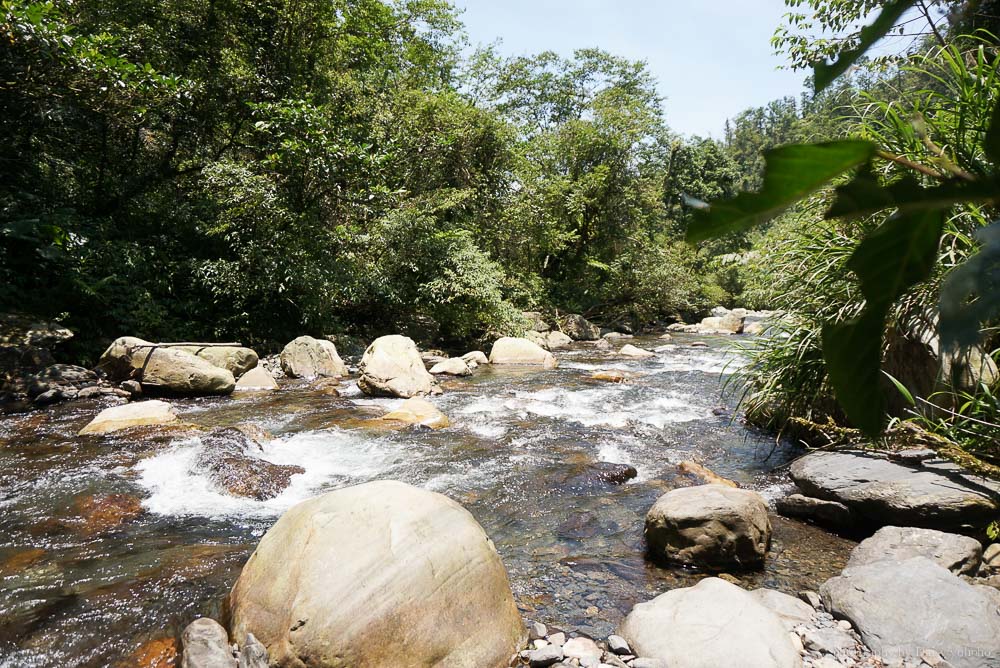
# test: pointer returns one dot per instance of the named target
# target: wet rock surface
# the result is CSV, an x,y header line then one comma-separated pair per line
x,y
229,461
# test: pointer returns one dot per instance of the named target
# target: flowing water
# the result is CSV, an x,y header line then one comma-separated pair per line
x,y
78,592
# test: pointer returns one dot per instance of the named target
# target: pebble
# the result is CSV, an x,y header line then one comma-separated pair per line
x,y
545,656
537,630
812,598
618,645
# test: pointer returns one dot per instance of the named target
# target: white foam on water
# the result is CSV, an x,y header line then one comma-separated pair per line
x,y
178,486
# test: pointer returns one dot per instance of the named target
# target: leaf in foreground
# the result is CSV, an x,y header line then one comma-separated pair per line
x,y
825,73
791,173
893,258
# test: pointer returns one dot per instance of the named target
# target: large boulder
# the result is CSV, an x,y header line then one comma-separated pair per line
x,y
933,494
579,328
510,350
136,414
381,575
557,341
959,554
902,608
306,357
711,526
710,625
392,367
237,359
729,323
164,368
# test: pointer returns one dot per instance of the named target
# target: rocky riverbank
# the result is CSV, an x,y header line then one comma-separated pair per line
x,y
418,580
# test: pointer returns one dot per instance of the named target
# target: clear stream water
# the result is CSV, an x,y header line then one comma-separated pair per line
x,y
516,456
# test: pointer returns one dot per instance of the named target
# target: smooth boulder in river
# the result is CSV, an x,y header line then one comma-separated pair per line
x,y
510,350
381,575
710,625
711,526
392,367
306,357
164,368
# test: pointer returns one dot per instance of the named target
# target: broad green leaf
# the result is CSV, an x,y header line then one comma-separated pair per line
x,y
899,254
863,195
852,351
825,73
791,173
991,145
971,293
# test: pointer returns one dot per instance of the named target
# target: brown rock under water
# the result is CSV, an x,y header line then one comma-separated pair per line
x,y
100,513
704,474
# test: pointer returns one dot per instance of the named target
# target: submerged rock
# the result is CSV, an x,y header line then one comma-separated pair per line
x,y
710,625
135,414
612,376
391,367
100,513
306,357
415,411
959,554
704,474
339,577
164,369
509,350
229,458
902,608
933,494
711,526
611,473
628,350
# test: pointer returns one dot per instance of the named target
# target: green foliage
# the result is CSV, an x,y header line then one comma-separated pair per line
x,y
921,183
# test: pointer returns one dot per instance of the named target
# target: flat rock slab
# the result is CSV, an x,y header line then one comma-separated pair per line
x,y
959,554
934,494
902,608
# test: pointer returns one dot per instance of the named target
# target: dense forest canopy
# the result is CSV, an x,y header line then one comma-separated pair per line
x,y
256,170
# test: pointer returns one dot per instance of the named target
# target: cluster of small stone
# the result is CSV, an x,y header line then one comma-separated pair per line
x,y
552,647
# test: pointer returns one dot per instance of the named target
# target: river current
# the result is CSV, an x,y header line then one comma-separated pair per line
x,y
517,455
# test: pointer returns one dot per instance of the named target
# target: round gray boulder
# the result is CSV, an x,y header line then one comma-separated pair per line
x,y
709,526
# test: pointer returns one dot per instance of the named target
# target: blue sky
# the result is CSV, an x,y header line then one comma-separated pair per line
x,y
712,58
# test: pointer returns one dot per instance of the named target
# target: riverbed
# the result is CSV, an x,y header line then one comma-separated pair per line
x,y
517,455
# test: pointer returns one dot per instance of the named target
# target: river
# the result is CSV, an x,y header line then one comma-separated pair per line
x,y
517,456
